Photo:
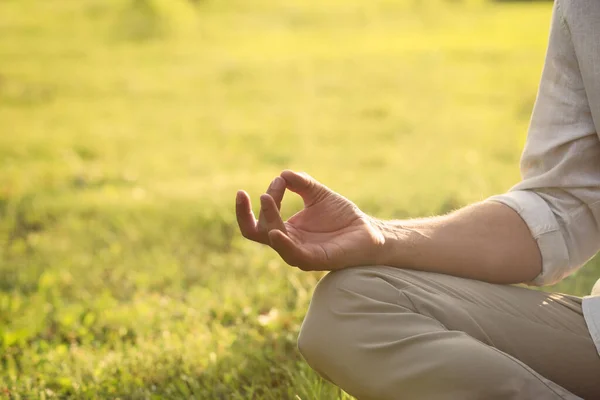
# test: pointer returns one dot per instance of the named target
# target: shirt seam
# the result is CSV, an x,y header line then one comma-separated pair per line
x,y
565,25
575,213
563,19
542,228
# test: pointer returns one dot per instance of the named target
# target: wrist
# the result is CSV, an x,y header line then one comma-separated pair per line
x,y
396,239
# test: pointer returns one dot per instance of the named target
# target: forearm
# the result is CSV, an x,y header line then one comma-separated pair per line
x,y
484,241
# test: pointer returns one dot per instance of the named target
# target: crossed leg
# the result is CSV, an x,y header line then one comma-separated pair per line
x,y
387,333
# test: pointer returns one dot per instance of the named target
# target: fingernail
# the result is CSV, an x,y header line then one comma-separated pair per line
x,y
278,183
238,198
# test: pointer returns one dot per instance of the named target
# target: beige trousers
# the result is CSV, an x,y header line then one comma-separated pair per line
x,y
386,333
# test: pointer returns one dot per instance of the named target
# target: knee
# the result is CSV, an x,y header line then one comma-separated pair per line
x,y
336,325
320,327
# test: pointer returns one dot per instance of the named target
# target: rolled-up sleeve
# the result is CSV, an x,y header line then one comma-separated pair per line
x,y
559,196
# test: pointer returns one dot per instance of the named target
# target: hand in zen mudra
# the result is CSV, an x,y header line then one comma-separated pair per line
x,y
329,233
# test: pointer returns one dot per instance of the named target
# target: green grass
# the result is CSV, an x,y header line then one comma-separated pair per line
x,y
126,127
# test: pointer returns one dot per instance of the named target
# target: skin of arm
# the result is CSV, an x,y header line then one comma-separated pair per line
x,y
485,241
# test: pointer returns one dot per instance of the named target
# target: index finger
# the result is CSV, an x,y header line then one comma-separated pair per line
x,y
245,216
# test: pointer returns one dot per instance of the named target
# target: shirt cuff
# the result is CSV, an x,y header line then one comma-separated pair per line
x,y
545,230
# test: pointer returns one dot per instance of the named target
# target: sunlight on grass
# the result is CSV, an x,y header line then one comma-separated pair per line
x,y
128,125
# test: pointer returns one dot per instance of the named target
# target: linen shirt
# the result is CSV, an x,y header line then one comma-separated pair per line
x,y
559,196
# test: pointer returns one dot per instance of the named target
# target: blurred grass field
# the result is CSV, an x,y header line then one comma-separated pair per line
x,y
126,127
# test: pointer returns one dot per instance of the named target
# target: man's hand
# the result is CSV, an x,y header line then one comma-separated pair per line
x,y
329,233
487,241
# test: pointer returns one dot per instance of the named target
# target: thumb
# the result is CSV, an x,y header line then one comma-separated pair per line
x,y
311,190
